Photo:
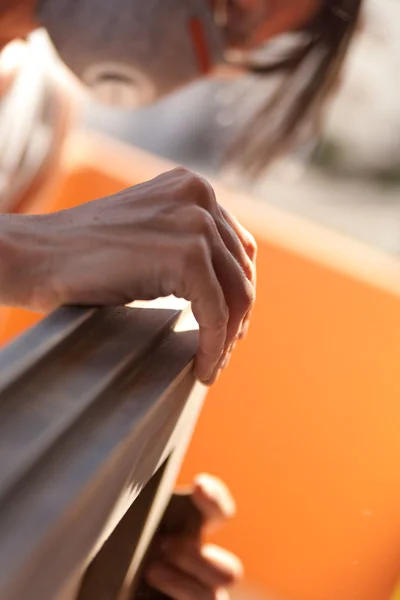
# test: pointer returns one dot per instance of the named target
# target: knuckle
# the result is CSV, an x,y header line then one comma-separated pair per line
x,y
205,222
202,190
197,182
196,252
246,297
181,171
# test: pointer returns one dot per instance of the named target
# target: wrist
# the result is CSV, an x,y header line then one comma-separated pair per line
x,y
25,263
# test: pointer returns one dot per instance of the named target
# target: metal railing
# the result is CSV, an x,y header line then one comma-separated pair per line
x,y
97,407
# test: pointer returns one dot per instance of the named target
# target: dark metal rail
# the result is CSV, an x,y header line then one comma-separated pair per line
x,y
97,407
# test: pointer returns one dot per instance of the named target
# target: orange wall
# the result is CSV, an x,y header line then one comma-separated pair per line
x,y
305,424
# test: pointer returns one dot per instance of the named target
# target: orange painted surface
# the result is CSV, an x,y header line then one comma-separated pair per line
x,y
304,425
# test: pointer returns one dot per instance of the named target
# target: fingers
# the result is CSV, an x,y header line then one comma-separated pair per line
x,y
237,240
238,292
182,567
202,255
210,567
250,246
217,287
197,509
180,586
233,242
247,240
218,262
212,314
213,499
219,303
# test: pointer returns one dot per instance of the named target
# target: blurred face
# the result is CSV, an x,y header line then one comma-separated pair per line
x,y
250,23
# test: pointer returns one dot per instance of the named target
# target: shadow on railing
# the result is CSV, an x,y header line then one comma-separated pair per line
x,y
97,407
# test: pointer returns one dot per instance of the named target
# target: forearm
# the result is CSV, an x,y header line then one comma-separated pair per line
x,y
24,263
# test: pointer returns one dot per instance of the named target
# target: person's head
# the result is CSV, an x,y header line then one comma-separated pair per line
x,y
146,49
303,44
250,23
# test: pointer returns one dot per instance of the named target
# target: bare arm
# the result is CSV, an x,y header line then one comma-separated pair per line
x,y
24,263
166,236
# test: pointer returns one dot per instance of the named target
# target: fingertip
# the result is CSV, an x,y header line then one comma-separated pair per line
x,y
205,368
213,498
213,379
225,562
202,373
222,594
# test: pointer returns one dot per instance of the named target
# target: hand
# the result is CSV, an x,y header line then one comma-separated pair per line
x,y
181,566
167,236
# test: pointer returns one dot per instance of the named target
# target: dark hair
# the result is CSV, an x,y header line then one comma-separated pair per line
x,y
308,74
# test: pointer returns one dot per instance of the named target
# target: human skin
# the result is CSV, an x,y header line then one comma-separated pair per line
x,y
183,566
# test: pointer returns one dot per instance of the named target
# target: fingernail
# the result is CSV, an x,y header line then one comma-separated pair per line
x,y
203,375
210,380
214,378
